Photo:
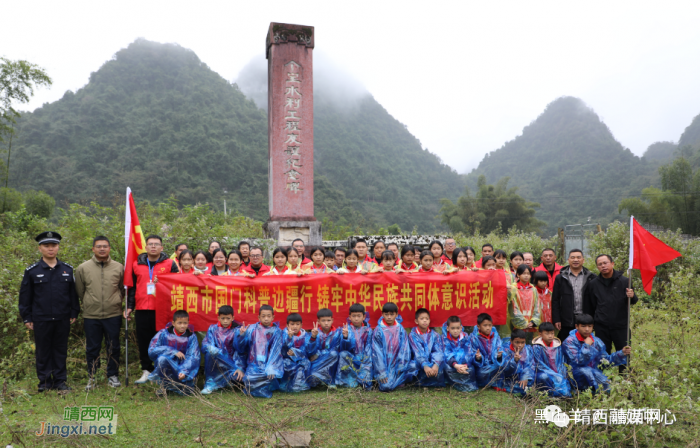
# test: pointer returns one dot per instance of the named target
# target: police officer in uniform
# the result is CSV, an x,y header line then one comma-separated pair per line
x,y
48,304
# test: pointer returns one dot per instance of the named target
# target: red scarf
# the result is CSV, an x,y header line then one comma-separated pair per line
x,y
579,337
423,270
449,336
239,271
178,334
489,337
284,269
405,267
418,331
221,326
318,270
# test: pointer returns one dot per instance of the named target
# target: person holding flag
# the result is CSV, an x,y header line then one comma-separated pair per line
x,y
606,298
141,274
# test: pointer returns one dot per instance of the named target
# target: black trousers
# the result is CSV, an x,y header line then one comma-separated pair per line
x,y
51,340
145,330
612,336
95,331
564,333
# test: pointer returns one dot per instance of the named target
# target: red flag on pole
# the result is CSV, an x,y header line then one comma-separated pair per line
x,y
134,241
647,252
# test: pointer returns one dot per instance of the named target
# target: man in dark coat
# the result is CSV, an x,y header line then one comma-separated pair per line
x,y
605,298
567,295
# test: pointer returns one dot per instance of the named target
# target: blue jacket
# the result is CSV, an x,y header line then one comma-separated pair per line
x,y
488,368
391,355
513,371
167,343
550,372
263,346
459,351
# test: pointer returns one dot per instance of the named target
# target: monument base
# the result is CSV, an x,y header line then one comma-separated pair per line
x,y
284,232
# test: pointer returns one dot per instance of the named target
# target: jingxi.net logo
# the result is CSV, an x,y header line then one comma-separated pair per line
x,y
82,421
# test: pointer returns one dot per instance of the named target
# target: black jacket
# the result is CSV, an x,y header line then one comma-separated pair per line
x,y
563,296
48,293
606,301
213,270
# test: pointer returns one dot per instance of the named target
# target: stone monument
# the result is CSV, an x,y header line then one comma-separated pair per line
x,y
290,126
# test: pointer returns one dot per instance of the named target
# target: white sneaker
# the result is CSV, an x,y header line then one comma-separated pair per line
x,y
144,378
207,390
91,385
113,381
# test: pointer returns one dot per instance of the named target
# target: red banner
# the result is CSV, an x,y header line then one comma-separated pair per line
x,y
465,294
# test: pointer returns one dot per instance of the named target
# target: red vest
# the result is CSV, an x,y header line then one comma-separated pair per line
x,y
143,300
264,269
557,270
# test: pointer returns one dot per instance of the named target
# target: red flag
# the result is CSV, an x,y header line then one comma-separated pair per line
x,y
647,252
134,241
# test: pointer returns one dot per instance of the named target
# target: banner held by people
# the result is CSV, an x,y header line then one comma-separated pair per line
x,y
465,294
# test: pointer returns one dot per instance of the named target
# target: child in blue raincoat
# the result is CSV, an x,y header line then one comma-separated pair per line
x,y
488,354
223,365
550,371
262,342
324,362
427,349
392,366
355,358
297,346
584,353
175,354
518,368
459,356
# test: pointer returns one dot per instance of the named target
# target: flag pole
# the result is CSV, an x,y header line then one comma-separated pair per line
x,y
127,227
126,342
629,285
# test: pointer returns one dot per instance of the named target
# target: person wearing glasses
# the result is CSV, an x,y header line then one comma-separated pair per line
x,y
450,246
256,266
99,283
141,297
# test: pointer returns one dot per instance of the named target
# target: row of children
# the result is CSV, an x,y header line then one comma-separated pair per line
x,y
293,260
262,358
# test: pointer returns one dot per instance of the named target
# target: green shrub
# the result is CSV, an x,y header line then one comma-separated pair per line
x,y
39,203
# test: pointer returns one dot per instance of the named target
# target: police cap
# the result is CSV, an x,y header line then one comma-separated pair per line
x,y
48,237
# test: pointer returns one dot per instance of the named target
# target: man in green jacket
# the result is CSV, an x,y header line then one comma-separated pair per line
x,y
100,286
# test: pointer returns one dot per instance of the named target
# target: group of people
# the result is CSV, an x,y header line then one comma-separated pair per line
x,y
549,300
262,358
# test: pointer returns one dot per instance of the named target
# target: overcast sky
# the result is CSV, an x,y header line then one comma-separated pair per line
x,y
465,76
